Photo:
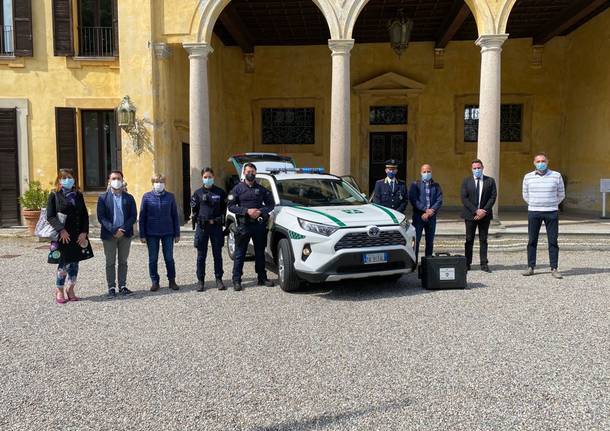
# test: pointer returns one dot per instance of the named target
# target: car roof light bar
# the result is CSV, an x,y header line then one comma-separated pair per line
x,y
298,170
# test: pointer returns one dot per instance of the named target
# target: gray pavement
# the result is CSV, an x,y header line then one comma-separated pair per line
x,y
508,353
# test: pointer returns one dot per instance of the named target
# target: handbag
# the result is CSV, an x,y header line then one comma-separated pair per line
x,y
43,229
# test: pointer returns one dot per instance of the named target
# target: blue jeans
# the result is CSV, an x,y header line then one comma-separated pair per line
x,y
430,227
167,244
534,223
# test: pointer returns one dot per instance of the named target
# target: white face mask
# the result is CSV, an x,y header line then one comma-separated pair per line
x,y
116,184
159,187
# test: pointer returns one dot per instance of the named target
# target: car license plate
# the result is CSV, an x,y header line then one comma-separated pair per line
x,y
369,258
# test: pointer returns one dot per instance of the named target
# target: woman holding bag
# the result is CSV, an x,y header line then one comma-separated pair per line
x,y
67,214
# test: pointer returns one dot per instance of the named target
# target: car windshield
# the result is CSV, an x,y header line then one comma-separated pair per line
x,y
318,192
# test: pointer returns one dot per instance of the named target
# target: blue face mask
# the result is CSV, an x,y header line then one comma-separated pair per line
x,y
67,183
478,173
426,176
541,166
391,174
208,182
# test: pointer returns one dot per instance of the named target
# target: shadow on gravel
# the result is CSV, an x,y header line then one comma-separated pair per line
x,y
327,420
164,291
584,271
367,289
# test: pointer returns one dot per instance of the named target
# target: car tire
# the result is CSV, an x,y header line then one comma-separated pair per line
x,y
288,279
231,241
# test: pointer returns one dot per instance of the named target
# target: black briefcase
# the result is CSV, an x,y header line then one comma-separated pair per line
x,y
443,271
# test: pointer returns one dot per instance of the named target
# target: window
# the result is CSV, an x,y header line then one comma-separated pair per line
x,y
288,126
7,43
95,27
511,122
101,150
388,115
318,192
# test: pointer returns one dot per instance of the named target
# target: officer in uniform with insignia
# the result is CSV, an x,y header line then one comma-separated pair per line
x,y
209,204
391,192
251,203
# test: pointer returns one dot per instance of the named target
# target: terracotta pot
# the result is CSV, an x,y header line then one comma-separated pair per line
x,y
31,218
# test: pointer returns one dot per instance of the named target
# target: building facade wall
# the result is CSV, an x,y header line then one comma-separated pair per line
x,y
586,140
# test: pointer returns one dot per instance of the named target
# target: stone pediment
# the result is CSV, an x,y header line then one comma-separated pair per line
x,y
389,82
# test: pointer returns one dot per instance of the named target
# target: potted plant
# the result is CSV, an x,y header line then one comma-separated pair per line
x,y
32,201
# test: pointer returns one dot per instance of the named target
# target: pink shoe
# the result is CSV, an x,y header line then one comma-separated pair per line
x,y
74,299
60,300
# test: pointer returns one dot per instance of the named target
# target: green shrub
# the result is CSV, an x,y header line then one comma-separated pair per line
x,y
35,197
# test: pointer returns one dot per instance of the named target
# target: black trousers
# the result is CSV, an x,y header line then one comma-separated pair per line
x,y
534,223
209,233
258,233
471,229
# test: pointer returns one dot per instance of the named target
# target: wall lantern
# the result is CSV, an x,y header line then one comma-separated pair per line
x,y
126,114
399,29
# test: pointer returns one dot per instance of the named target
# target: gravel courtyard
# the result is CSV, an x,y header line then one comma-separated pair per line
x,y
508,353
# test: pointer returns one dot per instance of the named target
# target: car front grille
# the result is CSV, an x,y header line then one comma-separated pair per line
x,y
362,239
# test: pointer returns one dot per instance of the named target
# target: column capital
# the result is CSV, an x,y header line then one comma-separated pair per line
x,y
162,50
340,46
198,49
491,42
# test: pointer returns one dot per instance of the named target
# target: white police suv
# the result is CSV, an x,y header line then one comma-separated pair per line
x,y
323,229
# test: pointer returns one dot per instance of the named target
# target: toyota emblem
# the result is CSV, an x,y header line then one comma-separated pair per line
x,y
373,231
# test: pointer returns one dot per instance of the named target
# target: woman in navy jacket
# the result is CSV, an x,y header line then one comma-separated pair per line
x,y
117,213
159,223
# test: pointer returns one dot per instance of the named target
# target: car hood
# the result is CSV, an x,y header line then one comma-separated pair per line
x,y
348,216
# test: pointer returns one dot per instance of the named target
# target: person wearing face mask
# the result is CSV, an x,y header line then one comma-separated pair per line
x,y
117,213
543,190
391,192
209,204
251,203
478,194
426,196
68,215
159,224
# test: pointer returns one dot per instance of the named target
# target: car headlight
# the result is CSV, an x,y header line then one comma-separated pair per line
x,y
405,223
319,228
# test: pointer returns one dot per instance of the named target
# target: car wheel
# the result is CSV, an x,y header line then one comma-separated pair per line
x,y
289,281
231,242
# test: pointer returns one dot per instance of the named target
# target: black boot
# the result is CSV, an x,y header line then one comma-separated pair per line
x,y
265,282
173,285
220,285
201,287
237,285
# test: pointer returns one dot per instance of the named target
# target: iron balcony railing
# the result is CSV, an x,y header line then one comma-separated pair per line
x,y
97,42
7,40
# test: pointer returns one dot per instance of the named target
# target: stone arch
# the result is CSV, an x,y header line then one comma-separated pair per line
x,y
481,10
208,12
504,15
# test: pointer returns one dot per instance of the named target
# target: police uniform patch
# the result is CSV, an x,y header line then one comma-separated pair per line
x,y
231,197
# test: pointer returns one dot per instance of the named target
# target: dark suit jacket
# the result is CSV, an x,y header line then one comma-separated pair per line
x,y
417,197
105,214
470,198
397,200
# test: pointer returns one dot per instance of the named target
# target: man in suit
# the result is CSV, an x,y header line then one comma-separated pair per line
x,y
117,213
391,192
426,196
478,195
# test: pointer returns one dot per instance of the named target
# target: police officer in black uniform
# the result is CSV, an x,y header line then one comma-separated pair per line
x,y
391,192
209,204
251,203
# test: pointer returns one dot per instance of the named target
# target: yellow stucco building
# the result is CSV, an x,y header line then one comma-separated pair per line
x,y
317,80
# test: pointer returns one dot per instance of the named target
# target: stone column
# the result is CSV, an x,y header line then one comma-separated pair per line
x,y
340,107
488,148
163,112
199,111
